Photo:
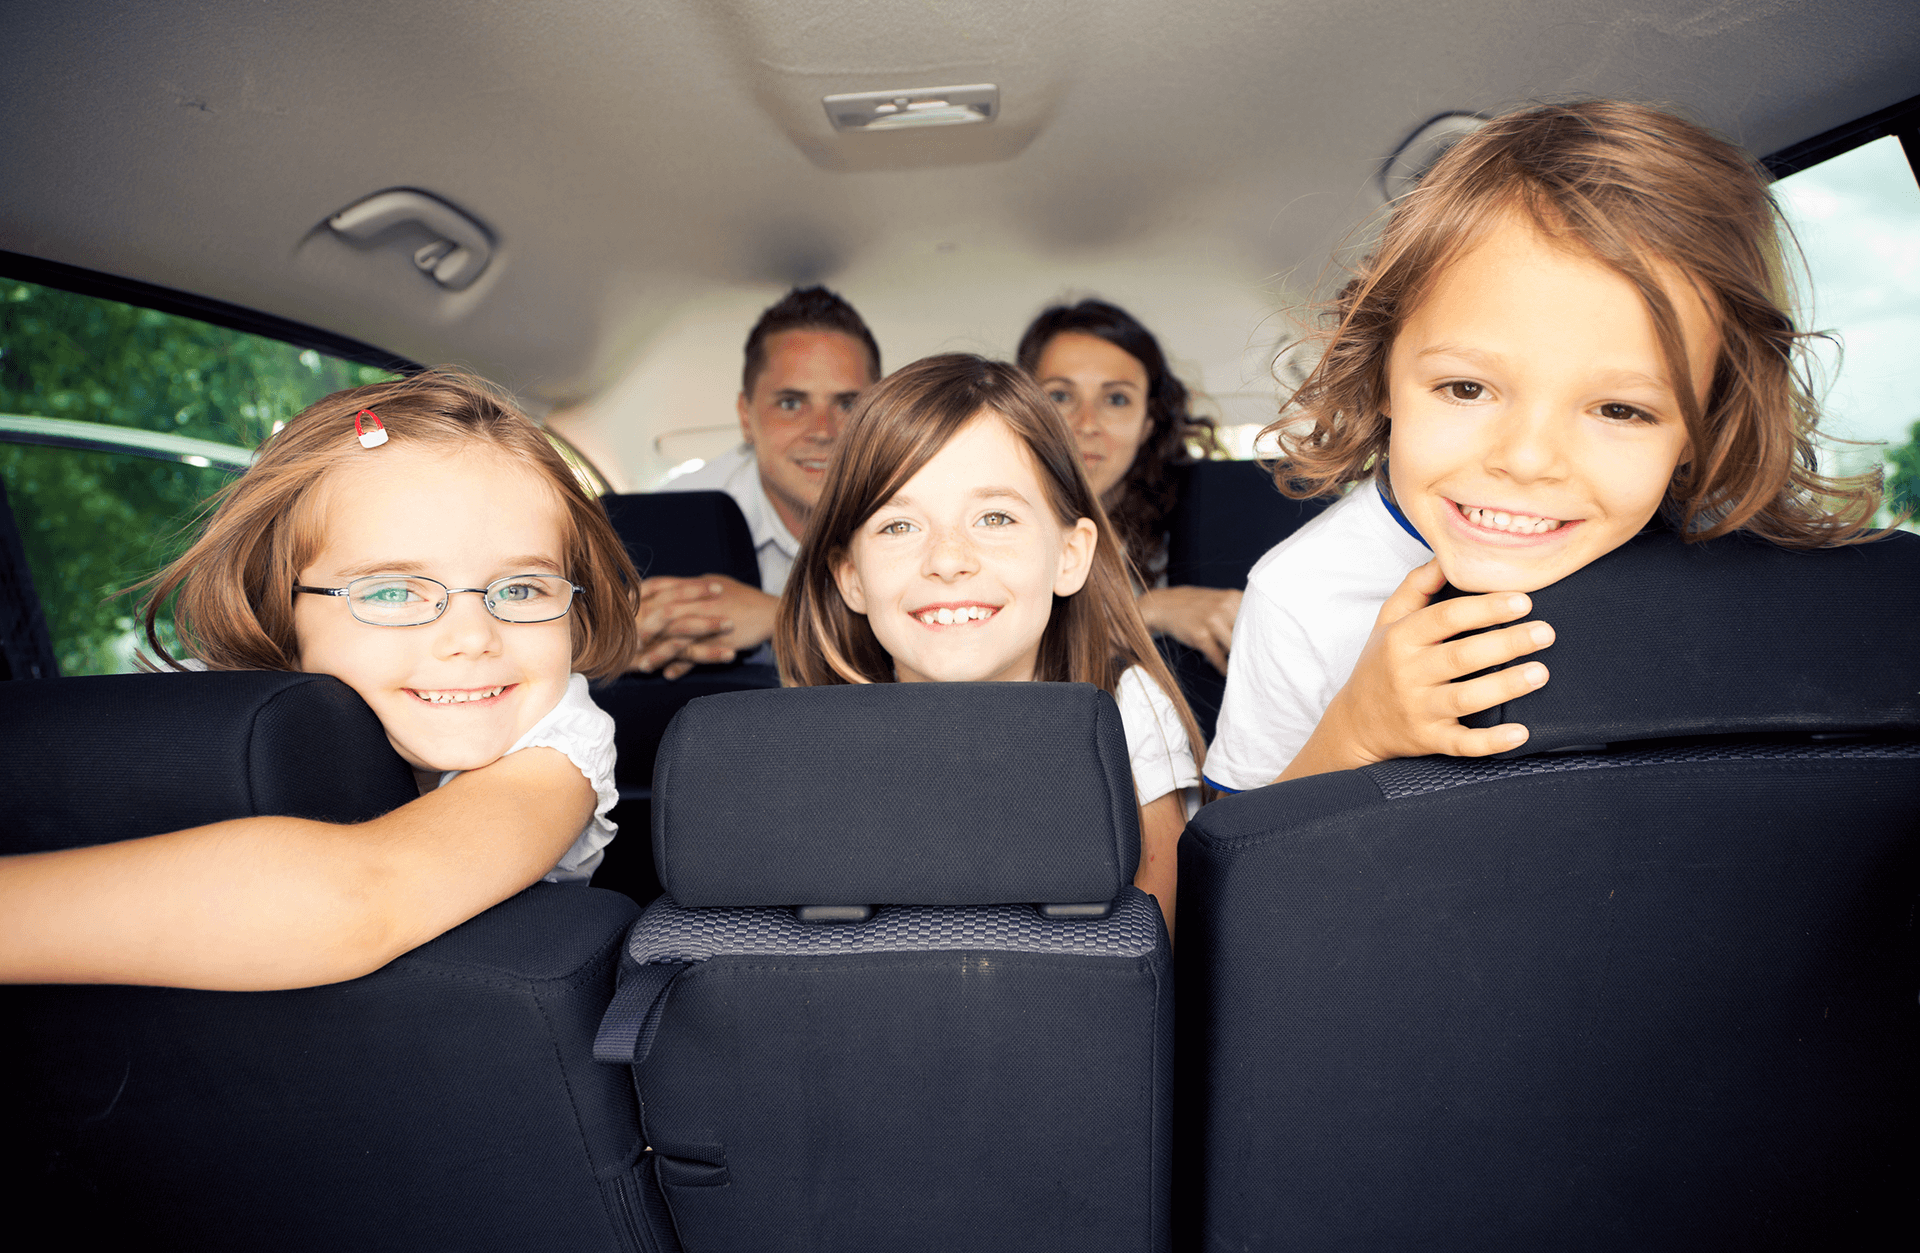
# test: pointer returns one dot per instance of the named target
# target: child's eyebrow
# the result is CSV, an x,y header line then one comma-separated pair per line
x,y
1061,378
904,501
512,565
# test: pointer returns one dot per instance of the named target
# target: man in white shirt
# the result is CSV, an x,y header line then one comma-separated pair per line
x,y
807,359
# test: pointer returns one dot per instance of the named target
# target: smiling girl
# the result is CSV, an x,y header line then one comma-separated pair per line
x,y
1570,328
957,540
447,568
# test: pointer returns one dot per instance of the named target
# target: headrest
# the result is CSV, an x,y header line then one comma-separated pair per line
x,y
896,794
684,534
93,760
1661,638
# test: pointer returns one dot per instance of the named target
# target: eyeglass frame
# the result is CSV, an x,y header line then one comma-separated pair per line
x,y
451,592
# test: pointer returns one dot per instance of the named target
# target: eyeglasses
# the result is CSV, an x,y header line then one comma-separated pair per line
x,y
409,600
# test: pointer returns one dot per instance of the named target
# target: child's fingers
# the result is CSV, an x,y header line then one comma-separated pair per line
x,y
1491,648
1457,700
1472,742
1454,617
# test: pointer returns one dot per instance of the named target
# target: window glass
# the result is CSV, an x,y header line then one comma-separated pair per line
x,y
96,523
1857,218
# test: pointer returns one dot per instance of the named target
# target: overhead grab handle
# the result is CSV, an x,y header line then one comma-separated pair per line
x,y
454,259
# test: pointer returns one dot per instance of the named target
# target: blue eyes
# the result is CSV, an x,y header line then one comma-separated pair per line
x,y
390,594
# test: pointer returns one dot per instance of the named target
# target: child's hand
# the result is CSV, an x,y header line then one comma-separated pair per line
x,y
1401,700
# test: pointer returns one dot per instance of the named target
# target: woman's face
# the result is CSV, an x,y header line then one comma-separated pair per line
x,y
957,573
1101,390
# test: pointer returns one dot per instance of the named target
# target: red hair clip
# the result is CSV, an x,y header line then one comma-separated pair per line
x,y
370,438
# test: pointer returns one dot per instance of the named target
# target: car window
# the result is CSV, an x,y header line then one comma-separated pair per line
x,y
95,521
1857,219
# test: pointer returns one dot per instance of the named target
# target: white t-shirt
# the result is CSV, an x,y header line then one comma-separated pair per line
x,y
1157,747
737,473
1309,607
584,732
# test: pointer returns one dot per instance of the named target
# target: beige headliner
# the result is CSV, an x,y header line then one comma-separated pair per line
x,y
656,172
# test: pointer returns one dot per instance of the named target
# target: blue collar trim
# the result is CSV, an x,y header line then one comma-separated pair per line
x,y
1399,517
1230,791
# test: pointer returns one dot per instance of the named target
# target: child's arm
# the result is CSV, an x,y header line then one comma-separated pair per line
x,y
1401,700
1161,822
260,903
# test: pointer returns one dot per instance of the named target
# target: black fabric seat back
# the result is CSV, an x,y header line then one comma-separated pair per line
x,y
684,534
1652,986
953,1068
447,1100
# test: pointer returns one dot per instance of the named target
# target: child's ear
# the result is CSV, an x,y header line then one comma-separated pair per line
x,y
1076,557
847,579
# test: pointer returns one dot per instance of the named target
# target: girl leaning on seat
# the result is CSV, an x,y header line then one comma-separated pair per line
x,y
421,541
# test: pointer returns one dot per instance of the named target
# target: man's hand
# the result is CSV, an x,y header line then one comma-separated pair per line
x,y
1199,617
711,618
1402,701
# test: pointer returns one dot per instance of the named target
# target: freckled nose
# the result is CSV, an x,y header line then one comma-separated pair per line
x,y
950,554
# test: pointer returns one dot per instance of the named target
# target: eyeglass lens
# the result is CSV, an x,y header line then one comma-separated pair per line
x,y
394,601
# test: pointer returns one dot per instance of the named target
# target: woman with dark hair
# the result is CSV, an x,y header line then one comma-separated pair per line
x,y
1128,413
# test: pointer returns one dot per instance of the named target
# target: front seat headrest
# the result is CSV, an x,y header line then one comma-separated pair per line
x,y
1662,638
93,760
896,794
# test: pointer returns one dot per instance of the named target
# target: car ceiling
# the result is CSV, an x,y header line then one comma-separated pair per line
x,y
655,172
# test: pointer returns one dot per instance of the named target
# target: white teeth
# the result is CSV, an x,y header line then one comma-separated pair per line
x,y
459,698
945,616
1517,524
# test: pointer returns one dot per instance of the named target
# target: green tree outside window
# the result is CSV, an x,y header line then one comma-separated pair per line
x,y
94,524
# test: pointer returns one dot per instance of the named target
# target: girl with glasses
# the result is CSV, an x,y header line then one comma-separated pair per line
x,y
352,557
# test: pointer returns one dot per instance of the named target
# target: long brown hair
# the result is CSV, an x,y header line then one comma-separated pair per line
x,y
1139,503
235,584
896,428
1639,189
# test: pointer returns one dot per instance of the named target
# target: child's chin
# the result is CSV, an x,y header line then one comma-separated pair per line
x,y
1500,576
440,758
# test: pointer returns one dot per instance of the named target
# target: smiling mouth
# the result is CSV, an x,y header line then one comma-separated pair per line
x,y
954,615
1507,523
457,696
812,465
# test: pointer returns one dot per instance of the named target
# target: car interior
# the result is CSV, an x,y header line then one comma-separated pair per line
x,y
1649,981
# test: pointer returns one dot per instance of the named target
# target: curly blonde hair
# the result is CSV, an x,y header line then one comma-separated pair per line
x,y
1639,189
